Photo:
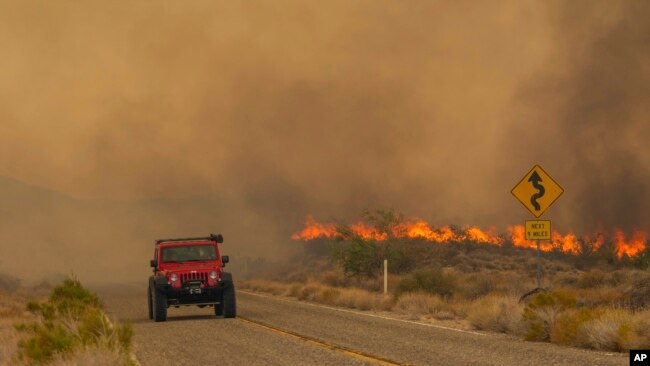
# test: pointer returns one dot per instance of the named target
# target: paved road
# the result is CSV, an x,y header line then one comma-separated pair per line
x,y
193,336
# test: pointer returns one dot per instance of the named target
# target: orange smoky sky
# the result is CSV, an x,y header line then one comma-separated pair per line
x,y
275,110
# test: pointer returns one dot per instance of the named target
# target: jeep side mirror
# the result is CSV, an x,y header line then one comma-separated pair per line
x,y
225,259
153,263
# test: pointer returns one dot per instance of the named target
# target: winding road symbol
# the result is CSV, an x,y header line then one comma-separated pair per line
x,y
535,179
537,191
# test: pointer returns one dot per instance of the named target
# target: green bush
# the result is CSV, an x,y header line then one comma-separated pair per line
x,y
542,312
430,280
71,297
363,257
568,323
72,319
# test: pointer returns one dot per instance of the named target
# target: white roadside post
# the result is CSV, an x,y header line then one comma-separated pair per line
x,y
385,276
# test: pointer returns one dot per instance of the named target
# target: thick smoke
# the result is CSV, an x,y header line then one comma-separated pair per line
x,y
152,120
587,115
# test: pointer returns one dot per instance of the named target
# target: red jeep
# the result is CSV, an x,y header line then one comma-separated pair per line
x,y
187,272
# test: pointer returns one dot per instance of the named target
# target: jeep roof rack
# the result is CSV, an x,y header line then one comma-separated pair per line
x,y
213,237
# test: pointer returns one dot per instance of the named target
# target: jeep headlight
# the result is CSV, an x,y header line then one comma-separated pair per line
x,y
173,277
213,275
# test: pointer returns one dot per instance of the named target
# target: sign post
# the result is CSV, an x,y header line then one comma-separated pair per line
x,y
538,230
537,191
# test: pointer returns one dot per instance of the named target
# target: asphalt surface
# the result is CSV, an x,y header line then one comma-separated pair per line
x,y
298,333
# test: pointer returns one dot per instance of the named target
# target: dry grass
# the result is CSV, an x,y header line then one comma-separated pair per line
x,y
417,304
616,330
599,308
497,313
566,321
12,312
272,287
92,356
597,297
353,298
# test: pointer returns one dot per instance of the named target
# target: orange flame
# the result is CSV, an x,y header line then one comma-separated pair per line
x,y
419,229
631,248
567,243
314,229
367,232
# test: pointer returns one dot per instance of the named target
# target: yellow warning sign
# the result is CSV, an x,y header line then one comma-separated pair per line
x,y
537,191
538,229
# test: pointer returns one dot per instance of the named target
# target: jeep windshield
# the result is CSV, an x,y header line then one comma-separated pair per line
x,y
187,253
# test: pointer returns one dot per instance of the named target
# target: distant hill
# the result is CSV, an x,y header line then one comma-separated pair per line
x,y
44,232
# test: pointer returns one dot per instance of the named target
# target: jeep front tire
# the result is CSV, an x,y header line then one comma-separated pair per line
x,y
159,305
229,303
218,308
149,303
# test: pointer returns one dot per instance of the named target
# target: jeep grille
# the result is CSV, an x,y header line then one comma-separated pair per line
x,y
201,276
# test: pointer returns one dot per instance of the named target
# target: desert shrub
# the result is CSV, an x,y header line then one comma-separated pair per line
x,y
542,311
71,298
603,296
614,330
419,303
430,280
567,279
334,278
90,356
642,322
356,299
327,295
639,294
308,292
496,313
591,279
294,290
618,277
71,321
478,285
568,323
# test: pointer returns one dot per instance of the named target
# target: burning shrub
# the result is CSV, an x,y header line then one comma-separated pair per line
x,y
361,249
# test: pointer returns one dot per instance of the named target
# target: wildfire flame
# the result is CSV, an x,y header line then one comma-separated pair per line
x,y
633,247
418,229
314,229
